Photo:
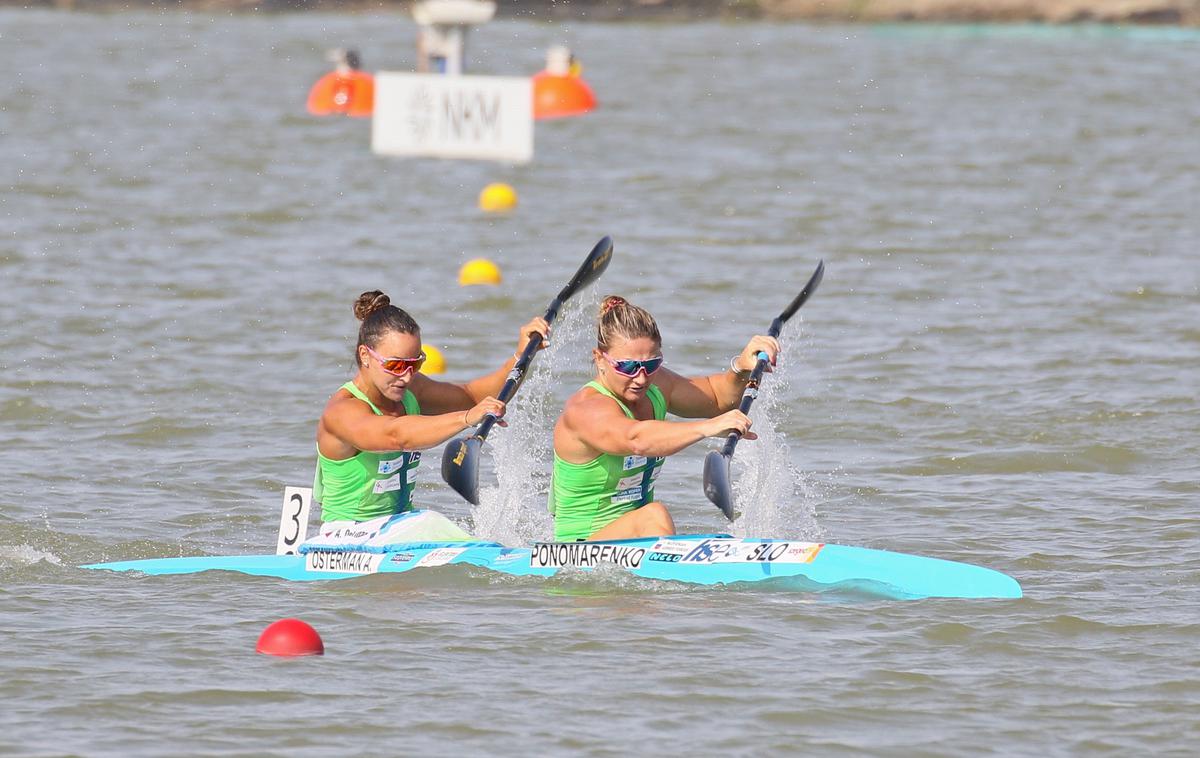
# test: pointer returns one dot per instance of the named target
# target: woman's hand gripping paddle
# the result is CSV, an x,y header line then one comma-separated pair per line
x,y
717,486
460,460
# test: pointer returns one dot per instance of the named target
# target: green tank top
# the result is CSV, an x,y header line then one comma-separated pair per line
x,y
367,485
585,497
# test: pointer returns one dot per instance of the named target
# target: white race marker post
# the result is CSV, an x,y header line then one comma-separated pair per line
x,y
293,520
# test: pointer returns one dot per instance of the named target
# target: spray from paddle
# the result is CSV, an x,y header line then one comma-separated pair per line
x,y
514,511
772,493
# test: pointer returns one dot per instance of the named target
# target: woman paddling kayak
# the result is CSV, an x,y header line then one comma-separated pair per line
x,y
611,439
373,428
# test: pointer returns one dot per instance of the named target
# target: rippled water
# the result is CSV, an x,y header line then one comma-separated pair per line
x,y
1001,368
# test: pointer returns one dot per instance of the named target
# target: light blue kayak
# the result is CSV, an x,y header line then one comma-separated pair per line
x,y
705,559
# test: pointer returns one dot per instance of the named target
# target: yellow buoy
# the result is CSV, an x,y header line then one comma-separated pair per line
x,y
479,271
497,197
435,363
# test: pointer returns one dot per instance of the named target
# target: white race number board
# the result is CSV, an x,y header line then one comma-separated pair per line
x,y
293,519
439,116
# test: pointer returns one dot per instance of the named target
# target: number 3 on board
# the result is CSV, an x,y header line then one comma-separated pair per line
x,y
293,520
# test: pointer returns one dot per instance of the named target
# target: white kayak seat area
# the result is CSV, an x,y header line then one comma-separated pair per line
x,y
377,534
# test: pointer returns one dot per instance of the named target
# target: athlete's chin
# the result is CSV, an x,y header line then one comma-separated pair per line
x,y
395,391
634,393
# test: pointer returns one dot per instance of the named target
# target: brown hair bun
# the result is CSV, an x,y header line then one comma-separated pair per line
x,y
369,302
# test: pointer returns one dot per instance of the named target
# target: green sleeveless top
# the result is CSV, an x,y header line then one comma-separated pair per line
x,y
585,497
367,485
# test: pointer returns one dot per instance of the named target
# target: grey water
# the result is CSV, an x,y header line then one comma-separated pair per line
x,y
1001,367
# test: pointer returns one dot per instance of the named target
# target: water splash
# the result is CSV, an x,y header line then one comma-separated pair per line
x,y
513,511
25,555
775,498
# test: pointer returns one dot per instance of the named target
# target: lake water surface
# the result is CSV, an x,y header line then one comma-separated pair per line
x,y
1001,368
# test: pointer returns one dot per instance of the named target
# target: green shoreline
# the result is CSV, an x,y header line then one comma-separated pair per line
x,y
1147,12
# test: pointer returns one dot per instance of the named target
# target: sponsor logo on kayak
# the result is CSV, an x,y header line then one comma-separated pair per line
x,y
664,557
342,563
402,557
440,556
584,555
711,551
801,552
672,547
739,551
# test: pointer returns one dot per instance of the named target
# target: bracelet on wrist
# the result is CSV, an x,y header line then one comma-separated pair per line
x,y
466,424
739,373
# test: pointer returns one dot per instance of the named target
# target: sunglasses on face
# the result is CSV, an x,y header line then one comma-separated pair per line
x,y
631,368
397,366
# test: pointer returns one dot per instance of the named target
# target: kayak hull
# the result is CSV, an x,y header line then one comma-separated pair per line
x,y
691,559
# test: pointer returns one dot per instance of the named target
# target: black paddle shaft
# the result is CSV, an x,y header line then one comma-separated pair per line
x,y
591,270
460,459
751,391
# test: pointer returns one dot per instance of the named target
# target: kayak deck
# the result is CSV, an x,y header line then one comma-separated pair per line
x,y
694,559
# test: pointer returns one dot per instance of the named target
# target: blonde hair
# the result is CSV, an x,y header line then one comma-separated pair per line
x,y
621,319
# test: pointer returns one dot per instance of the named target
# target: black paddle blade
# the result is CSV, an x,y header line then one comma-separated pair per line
x,y
460,466
716,483
591,269
813,282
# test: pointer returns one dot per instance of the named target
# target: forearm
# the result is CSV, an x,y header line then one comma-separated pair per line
x,y
727,388
489,385
661,438
424,432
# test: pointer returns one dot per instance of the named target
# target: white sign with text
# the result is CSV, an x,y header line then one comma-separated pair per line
x,y
439,116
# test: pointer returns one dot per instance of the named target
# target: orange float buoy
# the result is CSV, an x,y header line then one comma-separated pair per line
x,y
290,637
348,92
558,91
556,96
346,89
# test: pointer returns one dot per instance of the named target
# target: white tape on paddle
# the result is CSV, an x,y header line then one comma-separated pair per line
x,y
293,520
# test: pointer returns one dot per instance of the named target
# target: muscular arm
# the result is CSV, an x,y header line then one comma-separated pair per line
x,y
703,396
593,424
348,425
445,397
700,396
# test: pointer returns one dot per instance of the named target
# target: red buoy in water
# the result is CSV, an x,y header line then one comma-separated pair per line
x,y
290,637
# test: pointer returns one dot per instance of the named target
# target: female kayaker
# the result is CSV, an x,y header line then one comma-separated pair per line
x,y
373,428
611,439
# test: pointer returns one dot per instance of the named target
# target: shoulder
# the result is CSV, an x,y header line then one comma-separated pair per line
x,y
586,403
342,402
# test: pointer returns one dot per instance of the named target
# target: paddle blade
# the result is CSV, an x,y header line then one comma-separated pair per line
x,y
809,288
716,483
593,266
460,467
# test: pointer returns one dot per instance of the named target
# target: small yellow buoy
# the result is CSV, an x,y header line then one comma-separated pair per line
x,y
479,271
497,197
435,363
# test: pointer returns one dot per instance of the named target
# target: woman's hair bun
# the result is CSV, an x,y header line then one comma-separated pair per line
x,y
610,302
369,302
